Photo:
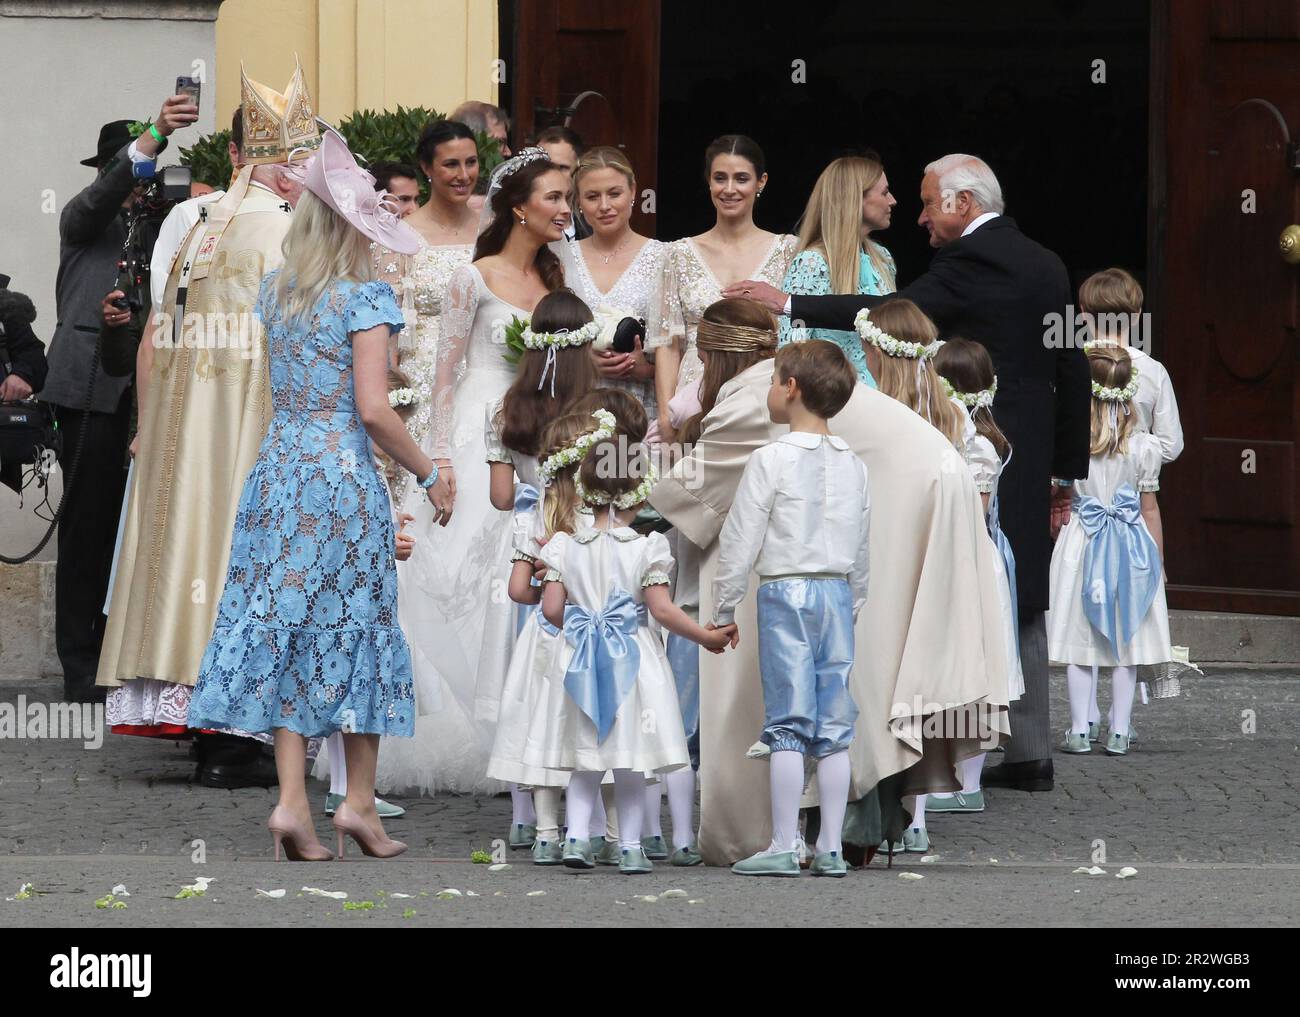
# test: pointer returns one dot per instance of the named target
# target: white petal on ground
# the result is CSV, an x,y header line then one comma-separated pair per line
x,y
910,875
673,894
929,859
536,893
119,890
316,891
1083,870
1125,872
273,894
400,896
499,867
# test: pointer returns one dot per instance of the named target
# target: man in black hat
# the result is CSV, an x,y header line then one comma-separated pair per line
x,y
93,408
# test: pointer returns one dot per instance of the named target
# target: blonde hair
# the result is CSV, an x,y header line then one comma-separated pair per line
x,y
560,502
603,157
914,382
832,221
320,249
1111,420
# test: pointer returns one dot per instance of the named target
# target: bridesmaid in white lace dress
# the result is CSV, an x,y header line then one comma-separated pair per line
x,y
615,268
448,157
698,268
452,592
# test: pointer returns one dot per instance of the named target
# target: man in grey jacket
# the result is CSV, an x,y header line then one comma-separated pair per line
x,y
93,409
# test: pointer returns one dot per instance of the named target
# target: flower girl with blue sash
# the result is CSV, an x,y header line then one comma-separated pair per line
x,y
555,367
610,702
1107,583
967,371
563,443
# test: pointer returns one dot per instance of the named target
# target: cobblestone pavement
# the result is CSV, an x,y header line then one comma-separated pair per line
x,y
1208,814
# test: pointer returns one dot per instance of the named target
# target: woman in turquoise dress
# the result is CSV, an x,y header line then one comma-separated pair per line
x,y
306,640
836,253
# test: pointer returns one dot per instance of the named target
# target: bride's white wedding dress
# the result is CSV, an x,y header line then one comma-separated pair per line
x,y
452,593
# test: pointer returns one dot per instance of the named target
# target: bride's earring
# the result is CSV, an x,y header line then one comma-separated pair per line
x,y
523,222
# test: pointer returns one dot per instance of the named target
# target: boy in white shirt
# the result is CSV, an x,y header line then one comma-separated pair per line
x,y
800,520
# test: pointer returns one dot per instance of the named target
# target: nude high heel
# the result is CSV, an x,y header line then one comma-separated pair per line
x,y
298,841
348,822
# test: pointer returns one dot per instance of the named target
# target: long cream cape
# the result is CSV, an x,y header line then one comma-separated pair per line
x,y
206,415
929,637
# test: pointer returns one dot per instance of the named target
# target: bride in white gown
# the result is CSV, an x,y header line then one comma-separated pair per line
x,y
457,617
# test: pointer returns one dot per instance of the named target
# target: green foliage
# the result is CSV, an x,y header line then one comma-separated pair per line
x,y
372,136
209,160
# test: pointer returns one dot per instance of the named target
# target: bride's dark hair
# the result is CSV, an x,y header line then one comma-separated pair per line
x,y
516,190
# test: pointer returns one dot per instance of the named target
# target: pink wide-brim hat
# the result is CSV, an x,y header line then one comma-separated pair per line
x,y
337,180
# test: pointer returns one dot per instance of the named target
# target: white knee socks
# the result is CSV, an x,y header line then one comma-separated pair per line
x,y
1078,681
918,813
546,803
969,770
338,764
629,792
681,805
654,797
584,789
599,822
1123,683
1094,711
611,812
521,807
833,795
786,775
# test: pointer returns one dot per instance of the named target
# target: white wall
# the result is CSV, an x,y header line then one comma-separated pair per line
x,y
66,69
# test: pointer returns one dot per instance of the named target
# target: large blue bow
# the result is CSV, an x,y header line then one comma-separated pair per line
x,y
605,657
1008,563
1121,565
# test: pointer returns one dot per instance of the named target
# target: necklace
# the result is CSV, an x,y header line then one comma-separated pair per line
x,y
607,258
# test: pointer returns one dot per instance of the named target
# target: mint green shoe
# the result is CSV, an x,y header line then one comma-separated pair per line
x,y
609,853
899,846
386,810
522,836
597,843
962,801
577,854
634,862
548,852
916,841
1094,731
1117,744
1074,743
829,863
684,856
655,848
1132,735
777,863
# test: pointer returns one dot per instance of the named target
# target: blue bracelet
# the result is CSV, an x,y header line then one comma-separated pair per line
x,y
431,479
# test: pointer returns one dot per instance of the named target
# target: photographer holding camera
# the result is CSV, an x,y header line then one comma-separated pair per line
x,y
22,371
92,407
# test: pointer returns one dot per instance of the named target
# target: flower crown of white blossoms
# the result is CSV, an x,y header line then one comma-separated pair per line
x,y
402,397
981,399
625,500
576,452
564,337
883,341
1116,395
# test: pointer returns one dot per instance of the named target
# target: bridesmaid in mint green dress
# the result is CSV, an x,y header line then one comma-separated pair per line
x,y
836,254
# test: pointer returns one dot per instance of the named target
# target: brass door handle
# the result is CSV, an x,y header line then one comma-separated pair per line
x,y
1289,245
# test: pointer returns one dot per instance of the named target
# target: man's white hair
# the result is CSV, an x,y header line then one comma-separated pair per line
x,y
969,173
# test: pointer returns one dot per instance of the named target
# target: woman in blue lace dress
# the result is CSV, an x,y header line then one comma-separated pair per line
x,y
836,253
306,641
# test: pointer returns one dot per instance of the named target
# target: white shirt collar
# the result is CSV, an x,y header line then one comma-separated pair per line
x,y
977,222
805,440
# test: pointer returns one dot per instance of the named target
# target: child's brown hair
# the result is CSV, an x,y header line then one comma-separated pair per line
x,y
823,373
968,368
529,403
